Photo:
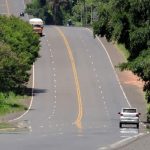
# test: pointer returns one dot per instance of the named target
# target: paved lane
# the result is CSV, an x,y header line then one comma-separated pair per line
x,y
12,7
4,8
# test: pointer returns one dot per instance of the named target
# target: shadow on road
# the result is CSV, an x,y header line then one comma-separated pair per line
x,y
35,91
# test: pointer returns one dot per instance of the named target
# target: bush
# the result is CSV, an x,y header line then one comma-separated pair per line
x,y
19,47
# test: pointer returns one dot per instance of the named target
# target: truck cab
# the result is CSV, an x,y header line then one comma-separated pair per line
x,y
38,25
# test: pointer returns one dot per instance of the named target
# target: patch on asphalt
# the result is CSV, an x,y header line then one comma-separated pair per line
x,y
14,127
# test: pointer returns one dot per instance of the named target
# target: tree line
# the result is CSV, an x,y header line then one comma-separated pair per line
x,y
81,12
51,11
19,47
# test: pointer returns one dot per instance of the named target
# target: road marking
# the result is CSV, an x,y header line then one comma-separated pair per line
x,y
33,83
51,55
115,145
102,148
115,72
122,142
8,12
80,107
112,68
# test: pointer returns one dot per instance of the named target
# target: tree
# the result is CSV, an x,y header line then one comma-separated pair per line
x,y
19,47
51,11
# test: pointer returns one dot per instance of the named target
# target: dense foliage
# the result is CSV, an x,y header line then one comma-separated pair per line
x,y
81,12
19,47
128,23
51,11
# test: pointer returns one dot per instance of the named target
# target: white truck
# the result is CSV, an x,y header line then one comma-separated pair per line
x,y
38,25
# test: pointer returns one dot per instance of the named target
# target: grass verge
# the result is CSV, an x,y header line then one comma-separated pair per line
x,y
10,103
123,50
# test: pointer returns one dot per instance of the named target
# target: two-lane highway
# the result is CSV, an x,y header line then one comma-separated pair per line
x,y
76,95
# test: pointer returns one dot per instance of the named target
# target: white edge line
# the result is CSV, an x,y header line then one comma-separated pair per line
x,y
126,140
8,11
113,69
122,142
30,101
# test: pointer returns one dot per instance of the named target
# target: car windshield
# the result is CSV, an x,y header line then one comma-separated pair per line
x,y
129,110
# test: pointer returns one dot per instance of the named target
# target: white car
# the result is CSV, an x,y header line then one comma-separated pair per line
x,y
129,116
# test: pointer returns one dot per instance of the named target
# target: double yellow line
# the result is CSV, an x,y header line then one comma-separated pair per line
x,y
79,99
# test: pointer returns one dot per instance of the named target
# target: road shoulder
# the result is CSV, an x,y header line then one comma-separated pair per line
x,y
132,86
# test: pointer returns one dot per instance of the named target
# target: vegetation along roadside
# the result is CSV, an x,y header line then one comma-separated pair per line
x,y
19,47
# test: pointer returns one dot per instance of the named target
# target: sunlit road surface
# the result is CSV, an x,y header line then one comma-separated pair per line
x,y
76,95
12,7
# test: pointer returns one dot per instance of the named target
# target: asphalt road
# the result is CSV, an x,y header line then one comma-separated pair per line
x,y
76,94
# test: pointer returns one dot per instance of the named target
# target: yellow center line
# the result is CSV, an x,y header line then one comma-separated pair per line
x,y
8,12
79,99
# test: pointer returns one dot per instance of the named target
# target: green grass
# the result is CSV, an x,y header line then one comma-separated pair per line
x,y
10,103
123,50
